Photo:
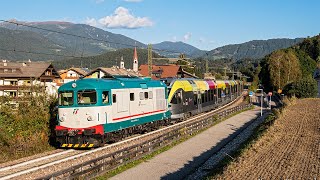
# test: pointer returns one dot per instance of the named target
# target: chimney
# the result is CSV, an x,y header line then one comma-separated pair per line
x,y
135,60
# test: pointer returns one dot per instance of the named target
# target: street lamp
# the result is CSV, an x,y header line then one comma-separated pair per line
x,y
261,103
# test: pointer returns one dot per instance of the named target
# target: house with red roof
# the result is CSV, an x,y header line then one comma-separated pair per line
x,y
165,71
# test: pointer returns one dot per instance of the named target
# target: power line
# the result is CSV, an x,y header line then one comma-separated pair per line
x,y
78,36
31,52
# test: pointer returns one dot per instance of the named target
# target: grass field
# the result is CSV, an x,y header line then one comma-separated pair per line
x,y
290,149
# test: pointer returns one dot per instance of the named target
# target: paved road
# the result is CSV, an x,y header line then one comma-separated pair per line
x,y
183,159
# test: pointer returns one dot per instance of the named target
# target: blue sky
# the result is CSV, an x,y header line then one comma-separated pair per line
x,y
205,24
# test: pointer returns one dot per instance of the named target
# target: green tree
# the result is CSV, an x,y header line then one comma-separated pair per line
x,y
256,81
283,67
306,87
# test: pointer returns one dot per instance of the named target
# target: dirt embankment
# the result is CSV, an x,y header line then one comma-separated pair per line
x,y
289,150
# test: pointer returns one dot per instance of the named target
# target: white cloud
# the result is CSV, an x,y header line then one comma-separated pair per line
x,y
122,18
187,36
91,22
132,0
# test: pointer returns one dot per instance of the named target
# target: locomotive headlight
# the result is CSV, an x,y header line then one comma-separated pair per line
x,y
62,119
89,118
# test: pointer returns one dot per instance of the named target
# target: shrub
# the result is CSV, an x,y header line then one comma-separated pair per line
x,y
25,130
306,87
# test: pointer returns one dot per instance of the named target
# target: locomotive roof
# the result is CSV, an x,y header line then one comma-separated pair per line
x,y
112,83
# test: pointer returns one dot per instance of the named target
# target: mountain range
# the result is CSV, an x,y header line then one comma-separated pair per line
x,y
69,39
174,49
65,40
255,49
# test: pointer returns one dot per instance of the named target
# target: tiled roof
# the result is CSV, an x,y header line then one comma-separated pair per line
x,y
115,72
25,69
170,70
80,71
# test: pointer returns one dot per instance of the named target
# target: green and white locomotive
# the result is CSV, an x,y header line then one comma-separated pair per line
x,y
94,111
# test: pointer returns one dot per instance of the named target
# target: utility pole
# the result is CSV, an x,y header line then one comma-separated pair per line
x,y
261,103
150,59
225,73
207,67
233,74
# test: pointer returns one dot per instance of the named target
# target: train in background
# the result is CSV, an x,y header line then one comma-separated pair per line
x,y
189,97
93,112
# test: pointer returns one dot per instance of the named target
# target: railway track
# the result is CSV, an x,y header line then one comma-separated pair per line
x,y
58,162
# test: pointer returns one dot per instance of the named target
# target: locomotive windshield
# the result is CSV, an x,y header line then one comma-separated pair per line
x,y
66,98
87,97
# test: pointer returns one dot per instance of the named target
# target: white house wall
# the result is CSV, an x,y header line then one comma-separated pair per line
x,y
71,73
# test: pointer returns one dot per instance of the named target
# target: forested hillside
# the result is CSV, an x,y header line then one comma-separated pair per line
x,y
108,59
67,38
16,44
255,49
174,49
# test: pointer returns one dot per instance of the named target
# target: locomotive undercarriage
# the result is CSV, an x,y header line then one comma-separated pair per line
x,y
67,140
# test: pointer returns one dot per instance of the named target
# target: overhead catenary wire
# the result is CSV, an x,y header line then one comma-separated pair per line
x,y
74,35
49,54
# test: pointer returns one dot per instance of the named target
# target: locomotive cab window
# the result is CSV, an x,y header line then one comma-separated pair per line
x,y
66,98
176,98
86,97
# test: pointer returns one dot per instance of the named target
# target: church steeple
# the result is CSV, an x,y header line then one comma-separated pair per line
x,y
135,60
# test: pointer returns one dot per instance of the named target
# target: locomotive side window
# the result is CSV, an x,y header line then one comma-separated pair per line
x,y
131,96
114,98
146,95
87,97
150,94
105,97
66,98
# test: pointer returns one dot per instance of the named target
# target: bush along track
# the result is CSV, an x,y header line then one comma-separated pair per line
x,y
25,127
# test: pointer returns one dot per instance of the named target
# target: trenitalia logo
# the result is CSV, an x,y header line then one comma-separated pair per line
x,y
75,111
